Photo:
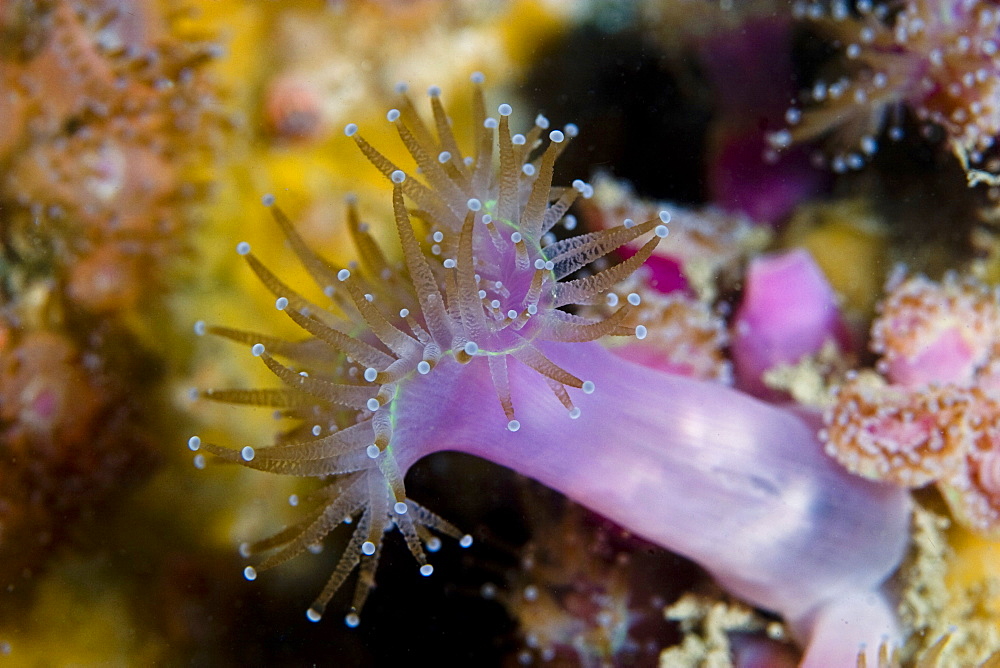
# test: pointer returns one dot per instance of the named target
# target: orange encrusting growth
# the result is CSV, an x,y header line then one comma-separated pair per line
x,y
106,110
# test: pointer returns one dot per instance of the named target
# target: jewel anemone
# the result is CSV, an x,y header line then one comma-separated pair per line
x,y
466,346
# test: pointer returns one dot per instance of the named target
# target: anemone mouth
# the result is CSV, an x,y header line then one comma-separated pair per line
x,y
486,282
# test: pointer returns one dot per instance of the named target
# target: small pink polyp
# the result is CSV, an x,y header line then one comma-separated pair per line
x,y
788,311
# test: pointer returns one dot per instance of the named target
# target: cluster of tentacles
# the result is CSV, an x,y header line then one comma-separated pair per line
x,y
937,59
481,282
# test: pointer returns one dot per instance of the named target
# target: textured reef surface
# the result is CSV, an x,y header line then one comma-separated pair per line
x,y
671,338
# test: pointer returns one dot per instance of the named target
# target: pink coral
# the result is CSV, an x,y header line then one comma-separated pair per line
x,y
946,435
930,332
705,243
292,108
683,335
973,492
68,440
886,432
788,311
937,419
45,393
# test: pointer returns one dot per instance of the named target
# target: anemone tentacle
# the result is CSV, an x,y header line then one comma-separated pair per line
x,y
486,283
